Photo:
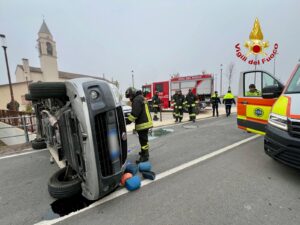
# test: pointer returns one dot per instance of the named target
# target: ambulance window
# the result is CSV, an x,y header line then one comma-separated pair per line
x,y
269,81
294,86
252,84
159,87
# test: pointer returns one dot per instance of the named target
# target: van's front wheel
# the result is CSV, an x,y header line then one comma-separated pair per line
x,y
64,184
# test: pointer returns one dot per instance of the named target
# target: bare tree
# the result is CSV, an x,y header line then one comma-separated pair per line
x,y
229,75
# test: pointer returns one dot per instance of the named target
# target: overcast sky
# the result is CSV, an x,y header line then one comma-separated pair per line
x,y
154,38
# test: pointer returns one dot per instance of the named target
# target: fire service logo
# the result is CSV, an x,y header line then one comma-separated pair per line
x,y
256,46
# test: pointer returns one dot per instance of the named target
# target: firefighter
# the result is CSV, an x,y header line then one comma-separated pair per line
x,y
174,99
140,114
179,104
215,101
155,105
190,103
253,91
228,100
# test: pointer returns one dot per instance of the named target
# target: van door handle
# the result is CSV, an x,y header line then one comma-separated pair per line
x,y
244,102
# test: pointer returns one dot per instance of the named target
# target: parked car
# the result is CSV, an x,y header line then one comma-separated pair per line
x,y
82,122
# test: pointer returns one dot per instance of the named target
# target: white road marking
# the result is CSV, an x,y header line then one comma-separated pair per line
x,y
146,182
24,153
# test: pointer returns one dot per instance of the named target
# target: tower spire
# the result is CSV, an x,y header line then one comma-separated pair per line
x,y
44,28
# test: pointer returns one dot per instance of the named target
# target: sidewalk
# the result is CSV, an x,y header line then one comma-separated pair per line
x,y
167,117
13,135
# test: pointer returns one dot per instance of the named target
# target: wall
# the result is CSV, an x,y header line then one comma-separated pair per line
x,y
19,89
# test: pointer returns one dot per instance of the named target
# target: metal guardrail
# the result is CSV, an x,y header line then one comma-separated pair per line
x,y
22,120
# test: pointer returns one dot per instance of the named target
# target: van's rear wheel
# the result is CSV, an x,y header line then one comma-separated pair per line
x,y
63,185
42,90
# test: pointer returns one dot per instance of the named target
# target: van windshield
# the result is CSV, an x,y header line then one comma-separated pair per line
x,y
294,86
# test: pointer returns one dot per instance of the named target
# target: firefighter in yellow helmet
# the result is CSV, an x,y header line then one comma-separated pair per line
x,y
140,114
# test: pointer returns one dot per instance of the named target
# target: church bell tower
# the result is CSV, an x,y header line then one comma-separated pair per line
x,y
47,54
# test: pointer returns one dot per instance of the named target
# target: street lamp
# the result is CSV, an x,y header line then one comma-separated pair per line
x,y
132,78
4,46
216,82
221,68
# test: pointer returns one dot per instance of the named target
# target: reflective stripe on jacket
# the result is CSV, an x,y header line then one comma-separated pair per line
x,y
228,99
215,99
140,113
155,101
190,99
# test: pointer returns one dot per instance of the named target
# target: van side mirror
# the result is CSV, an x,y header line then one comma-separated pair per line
x,y
273,91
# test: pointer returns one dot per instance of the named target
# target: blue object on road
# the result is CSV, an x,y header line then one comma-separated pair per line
x,y
131,168
145,166
149,175
133,183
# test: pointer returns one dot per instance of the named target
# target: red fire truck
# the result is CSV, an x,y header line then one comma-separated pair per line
x,y
201,85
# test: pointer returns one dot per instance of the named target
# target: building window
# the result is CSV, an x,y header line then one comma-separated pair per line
x,y
49,48
159,87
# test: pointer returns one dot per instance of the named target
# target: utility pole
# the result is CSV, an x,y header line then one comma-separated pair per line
x,y
132,78
255,70
274,67
2,36
216,82
221,68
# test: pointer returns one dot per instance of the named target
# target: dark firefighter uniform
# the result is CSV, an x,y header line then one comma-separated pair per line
x,y
140,114
155,105
215,101
228,100
178,105
190,103
174,99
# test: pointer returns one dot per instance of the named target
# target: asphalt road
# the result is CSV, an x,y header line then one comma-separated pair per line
x,y
241,186
24,197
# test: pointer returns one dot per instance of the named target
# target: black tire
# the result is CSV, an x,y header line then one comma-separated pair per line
x,y
38,144
59,188
42,90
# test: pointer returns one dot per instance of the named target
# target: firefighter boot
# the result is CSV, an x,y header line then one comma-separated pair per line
x,y
144,156
155,118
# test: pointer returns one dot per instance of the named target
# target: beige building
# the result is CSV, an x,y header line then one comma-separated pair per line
x,y
48,70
